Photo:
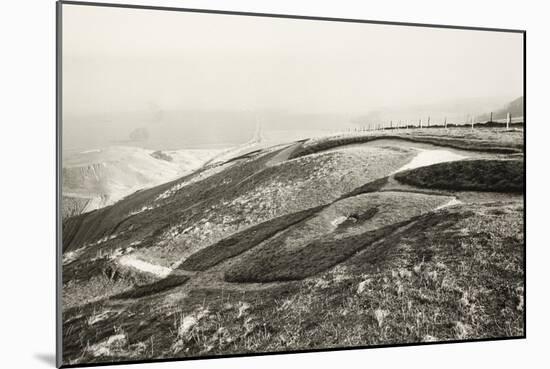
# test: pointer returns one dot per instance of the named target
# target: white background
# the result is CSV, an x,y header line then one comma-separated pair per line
x,y
27,126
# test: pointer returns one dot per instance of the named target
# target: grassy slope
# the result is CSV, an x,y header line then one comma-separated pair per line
x,y
461,268
269,193
468,175
202,213
488,143
274,263
72,206
454,274
91,277
91,227
95,225
314,246
94,280
162,285
240,242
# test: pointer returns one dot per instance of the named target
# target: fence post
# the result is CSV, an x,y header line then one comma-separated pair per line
x,y
472,121
428,122
445,123
508,121
491,119
420,123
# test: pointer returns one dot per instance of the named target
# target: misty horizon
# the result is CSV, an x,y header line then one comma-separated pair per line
x,y
141,69
175,129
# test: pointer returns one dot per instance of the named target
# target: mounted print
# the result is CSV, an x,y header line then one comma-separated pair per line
x,y
240,184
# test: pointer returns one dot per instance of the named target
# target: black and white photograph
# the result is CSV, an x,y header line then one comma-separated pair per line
x,y
243,184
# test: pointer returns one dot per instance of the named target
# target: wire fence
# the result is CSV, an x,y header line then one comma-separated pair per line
x,y
469,122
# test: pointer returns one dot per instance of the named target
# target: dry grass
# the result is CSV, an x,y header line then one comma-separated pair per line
x,y
365,268
312,247
240,242
162,285
96,288
468,175
453,274
484,140
105,281
274,263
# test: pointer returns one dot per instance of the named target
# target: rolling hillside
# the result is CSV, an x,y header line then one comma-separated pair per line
x,y
353,239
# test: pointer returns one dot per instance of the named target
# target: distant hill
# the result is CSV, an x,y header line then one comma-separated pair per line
x,y
514,107
455,111
93,179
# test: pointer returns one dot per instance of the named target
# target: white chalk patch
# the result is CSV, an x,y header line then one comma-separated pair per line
x,y
71,256
363,285
90,151
243,307
429,157
336,222
452,202
187,323
133,262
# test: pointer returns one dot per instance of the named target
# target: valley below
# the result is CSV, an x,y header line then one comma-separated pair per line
x,y
353,239
93,179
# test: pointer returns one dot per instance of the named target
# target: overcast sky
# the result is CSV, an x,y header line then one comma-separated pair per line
x,y
130,60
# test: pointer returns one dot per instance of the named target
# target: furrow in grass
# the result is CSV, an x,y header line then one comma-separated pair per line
x,y
243,241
